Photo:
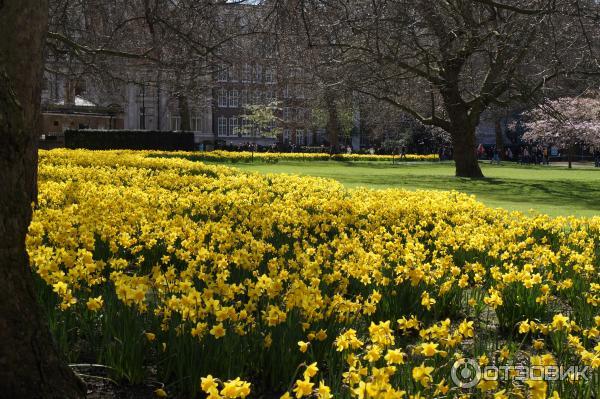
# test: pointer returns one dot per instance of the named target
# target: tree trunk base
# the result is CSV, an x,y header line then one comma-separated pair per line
x,y
26,343
467,164
30,366
472,172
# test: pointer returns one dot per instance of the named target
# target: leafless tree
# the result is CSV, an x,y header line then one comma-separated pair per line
x,y
158,44
447,62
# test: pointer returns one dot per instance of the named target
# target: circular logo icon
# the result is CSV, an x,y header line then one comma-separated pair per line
x,y
466,373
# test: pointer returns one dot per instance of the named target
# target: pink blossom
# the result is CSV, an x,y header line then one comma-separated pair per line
x,y
565,122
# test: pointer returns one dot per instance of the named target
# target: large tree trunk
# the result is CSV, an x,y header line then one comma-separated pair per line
x,y
184,112
29,364
465,159
333,121
570,154
499,136
463,122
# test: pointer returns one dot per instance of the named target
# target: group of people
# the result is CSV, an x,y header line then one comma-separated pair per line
x,y
539,155
445,153
535,155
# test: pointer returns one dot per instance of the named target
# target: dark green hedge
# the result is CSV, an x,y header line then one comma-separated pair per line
x,y
129,140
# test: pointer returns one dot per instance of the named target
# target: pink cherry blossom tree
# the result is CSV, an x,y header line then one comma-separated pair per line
x,y
565,123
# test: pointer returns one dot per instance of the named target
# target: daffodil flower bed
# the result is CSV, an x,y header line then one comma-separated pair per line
x,y
175,270
274,157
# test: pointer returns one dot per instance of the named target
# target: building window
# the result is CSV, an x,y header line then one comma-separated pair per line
x,y
232,74
175,123
222,126
269,96
234,99
222,98
233,127
286,91
309,137
297,73
244,98
245,127
300,137
196,123
286,136
286,113
258,74
246,73
257,97
222,73
269,76
80,87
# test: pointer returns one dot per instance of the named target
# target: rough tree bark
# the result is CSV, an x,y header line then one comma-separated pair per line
x,y
333,121
499,136
29,364
184,112
571,154
465,159
463,125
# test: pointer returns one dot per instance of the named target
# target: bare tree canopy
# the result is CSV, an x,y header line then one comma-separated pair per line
x,y
446,62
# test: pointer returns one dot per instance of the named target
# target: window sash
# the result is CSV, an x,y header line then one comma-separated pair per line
x,y
222,126
246,73
175,123
258,74
196,124
300,137
233,124
234,99
222,98
222,73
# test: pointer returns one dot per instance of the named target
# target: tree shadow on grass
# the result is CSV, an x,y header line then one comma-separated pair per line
x,y
546,187
563,193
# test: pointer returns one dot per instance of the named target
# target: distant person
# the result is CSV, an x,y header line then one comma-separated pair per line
x,y
539,155
546,156
403,152
508,154
495,156
526,156
480,151
597,157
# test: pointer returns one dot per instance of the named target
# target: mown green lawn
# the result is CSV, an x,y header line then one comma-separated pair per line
x,y
553,190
